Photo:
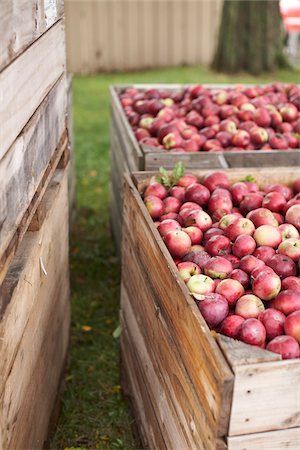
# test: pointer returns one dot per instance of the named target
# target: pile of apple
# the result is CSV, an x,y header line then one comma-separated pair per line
x,y
237,248
215,120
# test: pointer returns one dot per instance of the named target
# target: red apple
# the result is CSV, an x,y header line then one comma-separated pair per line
x,y
262,216
231,289
178,243
194,233
273,322
154,205
172,205
156,189
218,267
239,226
252,332
214,309
264,253
266,285
231,325
240,276
168,225
216,180
292,325
286,346
188,270
213,231
249,262
259,135
282,265
274,201
287,301
251,202
186,180
218,245
284,190
292,283
200,258
261,117
200,219
293,216
243,245
289,112
197,193
228,219
240,139
178,192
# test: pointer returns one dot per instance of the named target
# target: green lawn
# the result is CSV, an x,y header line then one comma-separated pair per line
x,y
94,414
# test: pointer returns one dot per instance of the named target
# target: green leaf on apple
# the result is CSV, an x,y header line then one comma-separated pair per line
x,y
171,180
249,178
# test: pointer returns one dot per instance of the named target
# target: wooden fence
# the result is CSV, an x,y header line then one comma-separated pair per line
x,y
107,35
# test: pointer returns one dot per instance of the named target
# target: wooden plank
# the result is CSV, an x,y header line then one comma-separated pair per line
x,y
266,397
35,331
174,302
238,353
159,383
23,166
140,399
273,440
41,66
177,403
11,247
72,165
22,22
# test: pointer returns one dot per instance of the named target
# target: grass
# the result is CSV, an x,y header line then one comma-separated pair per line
x,y
94,414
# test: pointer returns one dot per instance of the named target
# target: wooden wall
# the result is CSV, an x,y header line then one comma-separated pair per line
x,y
107,35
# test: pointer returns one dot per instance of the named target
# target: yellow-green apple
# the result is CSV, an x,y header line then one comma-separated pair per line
x,y
248,306
187,270
200,284
288,231
293,216
291,248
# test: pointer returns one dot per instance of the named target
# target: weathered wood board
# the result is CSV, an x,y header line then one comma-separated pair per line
x,y
72,165
23,166
27,80
34,325
22,22
202,390
13,237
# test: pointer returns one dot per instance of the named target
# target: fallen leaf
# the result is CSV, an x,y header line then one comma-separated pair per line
x,y
86,328
93,173
108,321
116,389
117,332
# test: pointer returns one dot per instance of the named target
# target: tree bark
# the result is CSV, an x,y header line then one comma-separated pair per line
x,y
251,37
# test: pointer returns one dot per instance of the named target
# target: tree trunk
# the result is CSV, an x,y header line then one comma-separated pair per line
x,y
251,37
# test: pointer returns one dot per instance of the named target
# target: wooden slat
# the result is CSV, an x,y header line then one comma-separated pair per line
x,y
34,325
177,403
273,440
10,249
72,167
266,397
159,383
140,399
31,76
238,353
23,166
22,22
173,303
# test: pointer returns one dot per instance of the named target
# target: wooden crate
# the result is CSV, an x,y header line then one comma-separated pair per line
x,y
192,388
127,155
34,323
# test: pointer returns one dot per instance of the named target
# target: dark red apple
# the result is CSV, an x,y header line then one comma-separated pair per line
x,y
231,325
214,308
282,265
273,322
252,332
240,276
